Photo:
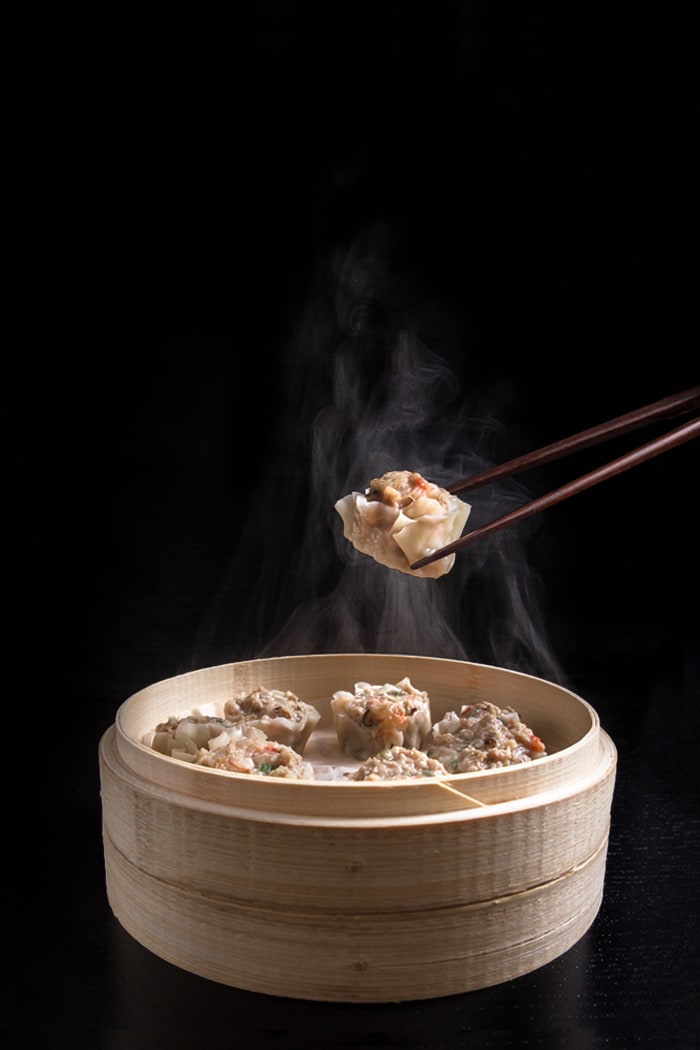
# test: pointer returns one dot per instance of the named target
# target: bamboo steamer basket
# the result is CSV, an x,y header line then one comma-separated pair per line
x,y
354,891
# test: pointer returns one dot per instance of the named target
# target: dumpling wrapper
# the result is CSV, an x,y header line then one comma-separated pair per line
x,y
186,735
402,518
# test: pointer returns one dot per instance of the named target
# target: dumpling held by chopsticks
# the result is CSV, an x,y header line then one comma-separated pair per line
x,y
402,517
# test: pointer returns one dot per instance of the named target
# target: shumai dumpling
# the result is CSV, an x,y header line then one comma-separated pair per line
x,y
401,518
376,717
399,763
245,749
483,736
281,715
183,737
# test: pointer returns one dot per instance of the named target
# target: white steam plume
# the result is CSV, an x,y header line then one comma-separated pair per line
x,y
365,395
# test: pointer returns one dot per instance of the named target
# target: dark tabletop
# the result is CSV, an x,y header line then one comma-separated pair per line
x,y
297,251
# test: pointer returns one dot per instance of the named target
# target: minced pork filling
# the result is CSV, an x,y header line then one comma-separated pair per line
x,y
483,736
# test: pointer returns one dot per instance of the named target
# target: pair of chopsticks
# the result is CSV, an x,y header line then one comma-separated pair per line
x,y
675,405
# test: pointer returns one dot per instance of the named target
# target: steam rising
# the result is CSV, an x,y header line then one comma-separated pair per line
x,y
365,395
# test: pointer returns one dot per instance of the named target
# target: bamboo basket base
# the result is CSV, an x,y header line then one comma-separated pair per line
x,y
356,957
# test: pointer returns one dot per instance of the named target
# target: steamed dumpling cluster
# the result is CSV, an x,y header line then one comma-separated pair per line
x,y
387,728
401,518
264,732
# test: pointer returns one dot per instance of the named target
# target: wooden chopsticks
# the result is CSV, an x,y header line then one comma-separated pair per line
x,y
677,404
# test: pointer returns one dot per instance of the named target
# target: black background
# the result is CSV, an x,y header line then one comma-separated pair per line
x,y
186,186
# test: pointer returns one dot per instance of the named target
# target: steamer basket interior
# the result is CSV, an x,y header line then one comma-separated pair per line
x,y
568,725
